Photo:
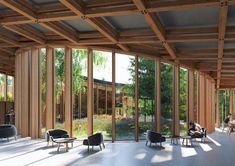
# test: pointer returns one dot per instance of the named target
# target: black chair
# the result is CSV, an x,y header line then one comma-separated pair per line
x,y
201,134
154,137
54,134
94,140
8,130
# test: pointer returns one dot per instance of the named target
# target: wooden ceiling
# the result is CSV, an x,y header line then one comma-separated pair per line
x,y
197,33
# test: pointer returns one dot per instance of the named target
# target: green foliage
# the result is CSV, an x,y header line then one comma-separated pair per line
x,y
183,94
166,90
10,96
79,66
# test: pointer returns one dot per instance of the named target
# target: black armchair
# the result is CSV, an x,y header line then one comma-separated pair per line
x,y
55,133
201,134
154,137
8,130
94,140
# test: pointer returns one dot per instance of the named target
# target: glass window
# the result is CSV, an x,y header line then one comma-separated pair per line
x,y
125,93
166,98
59,87
183,100
102,74
79,92
146,95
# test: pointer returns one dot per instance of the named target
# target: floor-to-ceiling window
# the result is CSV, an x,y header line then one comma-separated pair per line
x,y
102,74
2,86
10,88
146,101
183,100
79,92
59,87
166,98
125,93
223,104
43,91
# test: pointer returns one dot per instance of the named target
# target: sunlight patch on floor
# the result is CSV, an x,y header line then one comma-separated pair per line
x,y
166,155
188,152
205,147
214,141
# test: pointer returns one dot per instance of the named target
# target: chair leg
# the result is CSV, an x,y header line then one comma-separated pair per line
x,y
146,143
88,148
7,139
100,147
103,146
150,144
15,138
58,148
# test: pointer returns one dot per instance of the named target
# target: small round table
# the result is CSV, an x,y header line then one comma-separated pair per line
x,y
187,139
64,141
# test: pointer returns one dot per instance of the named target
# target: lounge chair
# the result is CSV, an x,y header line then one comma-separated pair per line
x,y
154,137
94,140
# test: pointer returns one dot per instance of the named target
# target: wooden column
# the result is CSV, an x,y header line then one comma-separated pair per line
x,y
25,94
158,95
34,96
213,105
176,122
208,112
50,86
68,90
136,99
106,99
113,97
202,99
217,109
18,92
190,95
90,93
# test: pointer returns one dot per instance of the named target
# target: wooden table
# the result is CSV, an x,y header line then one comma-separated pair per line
x,y
65,141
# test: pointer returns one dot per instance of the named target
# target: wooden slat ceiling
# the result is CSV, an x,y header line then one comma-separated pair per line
x,y
198,33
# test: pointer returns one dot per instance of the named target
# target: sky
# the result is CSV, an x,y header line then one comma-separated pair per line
x,y
122,73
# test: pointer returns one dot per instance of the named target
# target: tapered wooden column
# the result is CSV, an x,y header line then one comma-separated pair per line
x,y
68,90
190,95
202,99
18,92
90,93
157,95
50,86
176,122
25,94
208,112
136,99
213,105
113,97
217,109
34,94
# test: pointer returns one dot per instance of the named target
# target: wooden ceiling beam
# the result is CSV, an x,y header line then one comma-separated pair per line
x,y
156,6
156,26
21,9
98,23
27,34
8,40
59,29
223,12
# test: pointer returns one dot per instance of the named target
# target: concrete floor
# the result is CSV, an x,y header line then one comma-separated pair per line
x,y
218,150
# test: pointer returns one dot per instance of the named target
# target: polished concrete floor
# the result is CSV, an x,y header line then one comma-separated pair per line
x,y
218,150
